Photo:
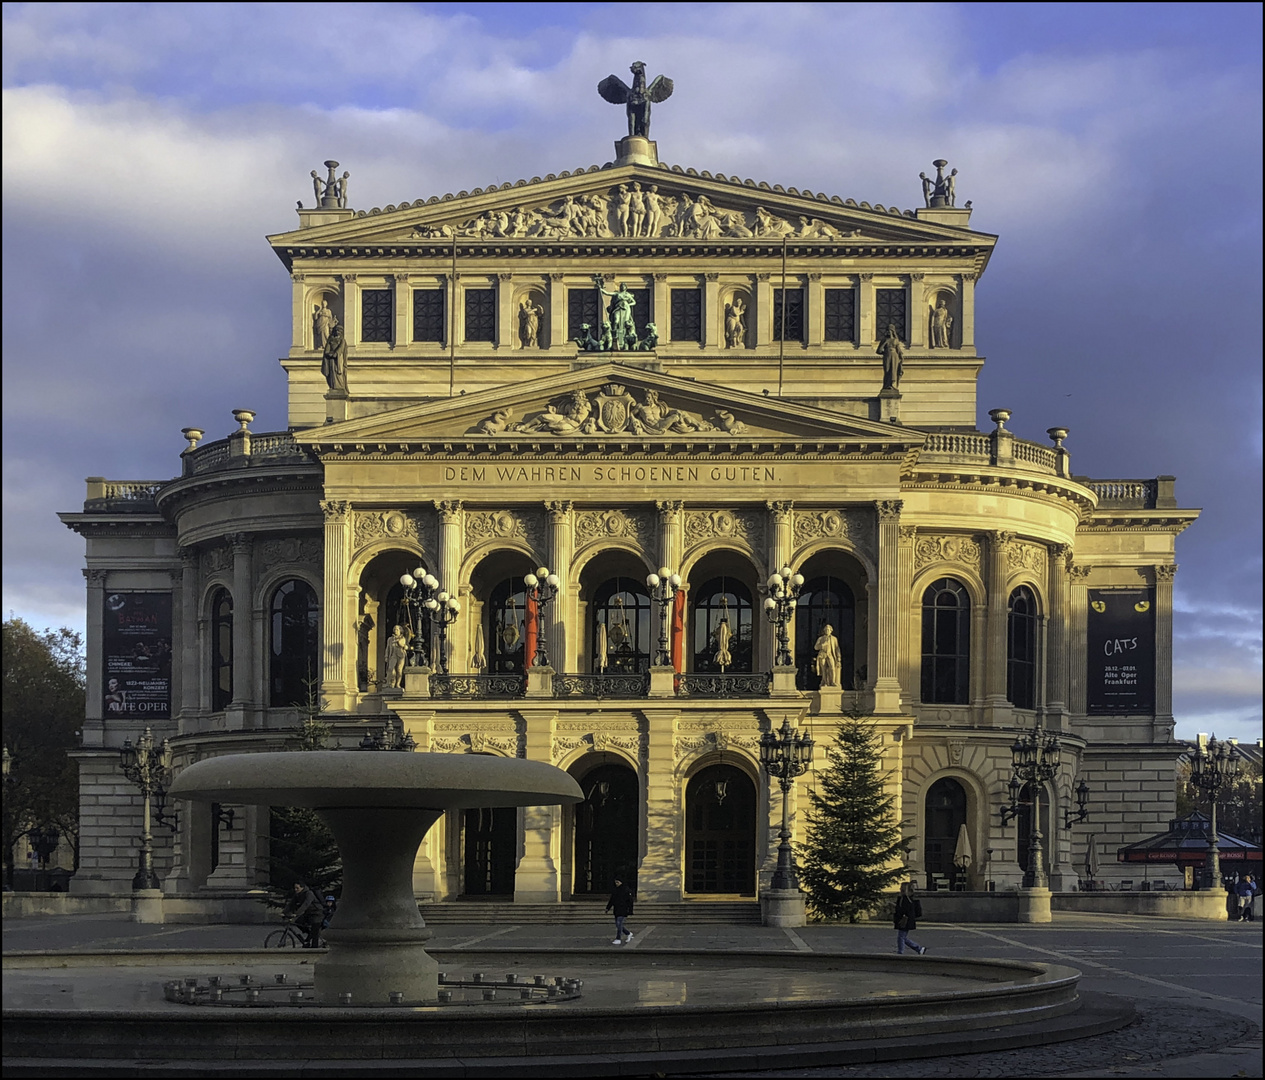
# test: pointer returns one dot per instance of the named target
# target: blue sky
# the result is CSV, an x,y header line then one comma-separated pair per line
x,y
149,148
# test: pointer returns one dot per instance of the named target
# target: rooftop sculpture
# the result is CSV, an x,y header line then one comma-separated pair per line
x,y
637,98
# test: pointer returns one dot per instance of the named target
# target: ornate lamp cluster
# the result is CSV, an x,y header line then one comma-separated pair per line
x,y
785,756
784,589
1035,760
1212,766
148,766
424,599
541,587
391,737
663,588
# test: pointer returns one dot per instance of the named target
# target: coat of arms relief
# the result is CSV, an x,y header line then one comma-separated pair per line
x,y
613,410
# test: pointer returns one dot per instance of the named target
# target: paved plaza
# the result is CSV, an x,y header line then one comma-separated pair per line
x,y
1196,985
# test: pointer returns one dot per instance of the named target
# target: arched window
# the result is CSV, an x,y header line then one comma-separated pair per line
x,y
1021,649
296,643
623,628
722,600
946,643
505,628
221,649
944,816
824,601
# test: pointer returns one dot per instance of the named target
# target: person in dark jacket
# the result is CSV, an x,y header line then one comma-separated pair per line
x,y
622,902
307,913
908,912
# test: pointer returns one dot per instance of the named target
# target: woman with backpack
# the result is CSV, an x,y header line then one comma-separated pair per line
x,y
908,912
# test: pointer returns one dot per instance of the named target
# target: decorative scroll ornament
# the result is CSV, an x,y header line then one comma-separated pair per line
x,y
335,509
478,742
485,525
605,524
388,524
1021,555
956,746
958,549
598,742
851,524
744,525
717,741
290,551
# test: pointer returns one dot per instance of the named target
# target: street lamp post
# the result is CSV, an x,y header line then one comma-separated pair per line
x,y
148,767
784,590
391,737
663,588
419,587
785,756
1212,766
541,587
1081,813
1035,761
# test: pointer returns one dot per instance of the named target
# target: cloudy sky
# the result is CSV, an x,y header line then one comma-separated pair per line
x,y
148,148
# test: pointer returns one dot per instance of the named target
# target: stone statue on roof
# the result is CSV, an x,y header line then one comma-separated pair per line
x,y
636,98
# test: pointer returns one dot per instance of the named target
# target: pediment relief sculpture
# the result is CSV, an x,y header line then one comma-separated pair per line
x,y
612,410
633,210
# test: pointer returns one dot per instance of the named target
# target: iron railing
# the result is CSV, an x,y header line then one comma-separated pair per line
x,y
477,686
724,686
601,685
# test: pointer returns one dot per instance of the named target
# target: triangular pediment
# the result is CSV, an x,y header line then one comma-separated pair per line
x,y
611,402
642,203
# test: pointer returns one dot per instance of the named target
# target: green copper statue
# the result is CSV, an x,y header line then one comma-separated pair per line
x,y
637,98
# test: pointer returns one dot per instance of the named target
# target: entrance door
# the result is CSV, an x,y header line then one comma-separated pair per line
x,y
606,830
490,836
945,816
720,831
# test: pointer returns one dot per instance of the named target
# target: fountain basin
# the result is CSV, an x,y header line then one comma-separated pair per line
x,y
379,806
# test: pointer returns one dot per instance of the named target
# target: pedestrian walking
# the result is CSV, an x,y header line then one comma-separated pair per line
x,y
621,902
908,912
1246,890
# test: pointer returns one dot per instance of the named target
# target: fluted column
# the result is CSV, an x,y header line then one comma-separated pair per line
x,y
781,547
1164,575
908,641
995,644
1056,632
670,537
886,626
561,543
1078,627
339,667
448,560
243,628
192,658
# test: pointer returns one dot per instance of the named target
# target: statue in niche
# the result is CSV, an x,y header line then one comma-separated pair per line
x,y
637,98
654,211
829,662
529,315
636,211
941,325
323,320
893,358
396,655
334,359
620,315
735,323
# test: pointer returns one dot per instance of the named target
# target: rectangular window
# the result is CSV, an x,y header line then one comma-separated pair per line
x,y
794,315
375,315
428,315
687,315
889,307
840,319
581,309
480,314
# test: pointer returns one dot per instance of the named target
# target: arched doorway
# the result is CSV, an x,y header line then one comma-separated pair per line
x,y
606,830
720,803
944,816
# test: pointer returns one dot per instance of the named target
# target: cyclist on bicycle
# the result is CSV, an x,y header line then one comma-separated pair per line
x,y
305,910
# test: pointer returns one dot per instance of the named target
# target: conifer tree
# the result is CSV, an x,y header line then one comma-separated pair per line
x,y
853,834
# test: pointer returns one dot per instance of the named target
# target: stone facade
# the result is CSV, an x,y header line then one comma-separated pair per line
x,y
479,445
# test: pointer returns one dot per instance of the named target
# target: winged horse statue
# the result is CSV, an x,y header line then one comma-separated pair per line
x,y
636,98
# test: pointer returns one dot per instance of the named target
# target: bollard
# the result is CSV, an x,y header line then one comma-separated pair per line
x,y
396,997
525,993
296,996
252,996
511,978
245,980
280,977
344,999
445,996
489,994
540,980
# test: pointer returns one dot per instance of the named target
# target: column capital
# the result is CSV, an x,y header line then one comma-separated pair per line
x,y
908,534
1077,571
188,556
348,278
889,509
559,510
669,508
335,509
448,510
1001,538
95,578
239,542
865,277
780,509
1165,572
1059,552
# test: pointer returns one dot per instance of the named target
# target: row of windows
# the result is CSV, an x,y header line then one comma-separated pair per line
x,y
429,308
294,647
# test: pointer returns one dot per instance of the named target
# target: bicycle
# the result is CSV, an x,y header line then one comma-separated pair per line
x,y
285,937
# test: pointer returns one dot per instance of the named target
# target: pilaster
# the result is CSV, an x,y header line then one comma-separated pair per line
x,y
917,312
815,310
351,310
995,643
967,314
763,310
187,646
536,880
865,309
402,335
713,320
561,543
661,306
301,336
339,671
558,311
908,641
1164,574
659,877
505,328
887,677
1078,627
242,547
1056,636
94,722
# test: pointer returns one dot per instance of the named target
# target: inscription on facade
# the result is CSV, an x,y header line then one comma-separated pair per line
x,y
611,474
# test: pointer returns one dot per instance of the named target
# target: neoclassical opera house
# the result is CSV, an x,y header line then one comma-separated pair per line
x,y
603,374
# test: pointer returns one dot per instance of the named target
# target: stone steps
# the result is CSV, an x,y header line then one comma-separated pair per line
x,y
727,912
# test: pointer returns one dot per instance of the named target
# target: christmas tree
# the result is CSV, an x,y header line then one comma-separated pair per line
x,y
853,835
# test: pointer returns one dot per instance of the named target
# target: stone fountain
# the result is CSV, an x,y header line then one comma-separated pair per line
x,y
379,807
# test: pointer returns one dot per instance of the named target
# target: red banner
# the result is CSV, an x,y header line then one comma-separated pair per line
x,y
678,631
532,629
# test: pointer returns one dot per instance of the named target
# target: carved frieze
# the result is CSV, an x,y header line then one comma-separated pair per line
x,y
746,525
1021,555
216,560
955,549
599,742
289,551
402,525
597,215
718,741
635,525
479,742
852,524
613,410
525,525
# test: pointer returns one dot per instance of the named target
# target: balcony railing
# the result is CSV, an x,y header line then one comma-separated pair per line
x,y
477,686
600,686
1125,494
265,446
724,686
